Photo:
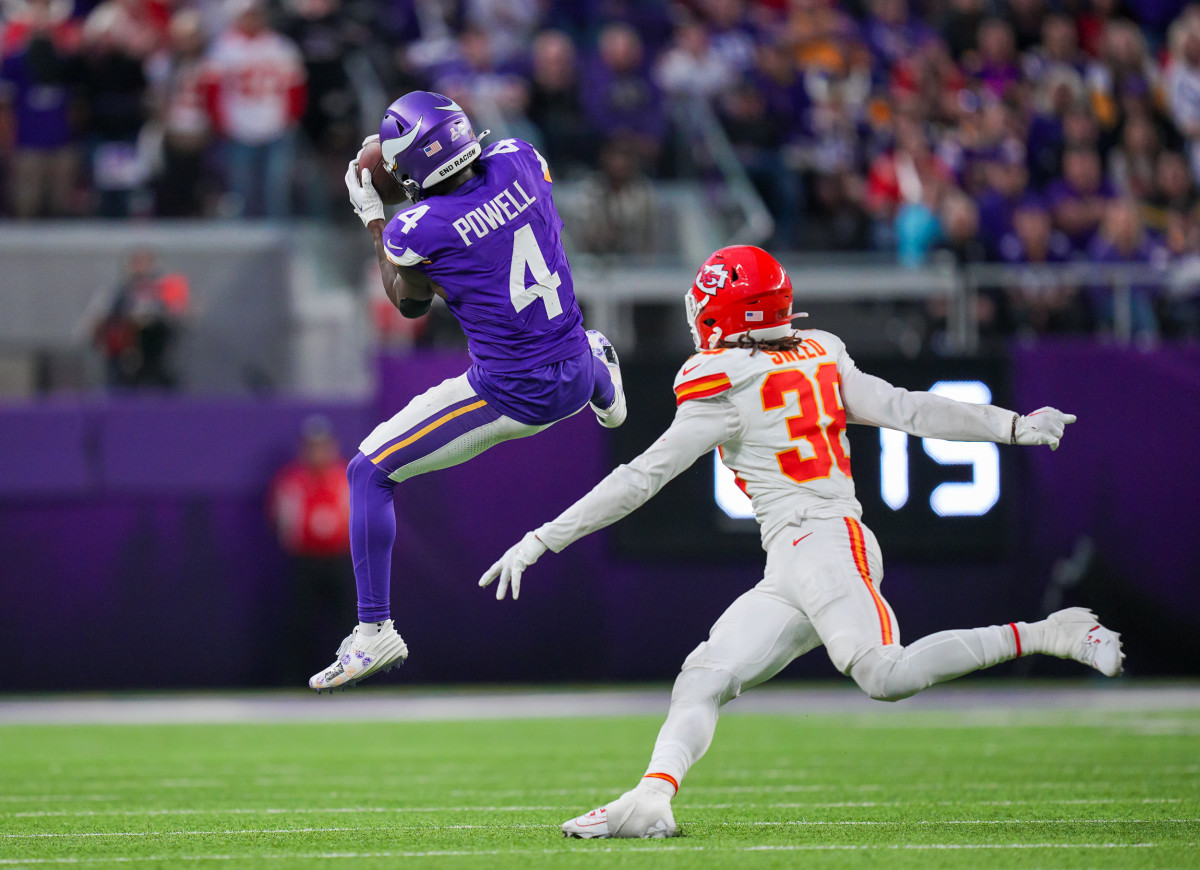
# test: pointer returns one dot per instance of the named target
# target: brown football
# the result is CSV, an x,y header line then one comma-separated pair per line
x,y
371,157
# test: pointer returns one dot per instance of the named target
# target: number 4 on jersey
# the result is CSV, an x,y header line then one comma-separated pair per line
x,y
408,219
527,258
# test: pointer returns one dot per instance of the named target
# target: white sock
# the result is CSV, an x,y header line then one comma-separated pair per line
x,y
1035,637
656,784
948,654
369,629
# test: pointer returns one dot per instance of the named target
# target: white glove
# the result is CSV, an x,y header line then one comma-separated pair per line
x,y
363,196
513,564
1043,426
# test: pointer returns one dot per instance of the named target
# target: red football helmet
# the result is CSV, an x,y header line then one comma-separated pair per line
x,y
740,290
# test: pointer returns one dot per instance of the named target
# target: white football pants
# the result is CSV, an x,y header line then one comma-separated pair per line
x,y
821,586
446,425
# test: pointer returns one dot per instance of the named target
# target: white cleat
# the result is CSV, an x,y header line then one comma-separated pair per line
x,y
1077,634
634,814
360,657
614,415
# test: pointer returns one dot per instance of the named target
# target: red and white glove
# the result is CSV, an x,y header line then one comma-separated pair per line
x,y
363,196
513,564
1043,426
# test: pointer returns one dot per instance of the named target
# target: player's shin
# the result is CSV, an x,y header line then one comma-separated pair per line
x,y
892,672
696,700
372,534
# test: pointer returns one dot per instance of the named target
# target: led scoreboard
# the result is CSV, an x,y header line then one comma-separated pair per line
x,y
923,497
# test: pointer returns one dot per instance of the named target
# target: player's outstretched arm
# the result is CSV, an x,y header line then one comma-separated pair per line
x,y
513,564
875,402
1043,426
699,426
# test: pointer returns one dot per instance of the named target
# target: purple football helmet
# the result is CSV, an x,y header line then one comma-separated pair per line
x,y
426,137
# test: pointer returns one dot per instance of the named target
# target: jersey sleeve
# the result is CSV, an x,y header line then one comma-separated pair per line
x,y
697,429
875,402
701,377
534,161
411,237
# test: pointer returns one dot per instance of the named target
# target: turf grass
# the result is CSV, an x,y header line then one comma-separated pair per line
x,y
925,789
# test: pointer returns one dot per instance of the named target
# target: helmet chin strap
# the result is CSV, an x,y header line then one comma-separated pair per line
x,y
412,190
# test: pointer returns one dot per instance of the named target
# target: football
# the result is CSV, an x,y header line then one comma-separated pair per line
x,y
371,157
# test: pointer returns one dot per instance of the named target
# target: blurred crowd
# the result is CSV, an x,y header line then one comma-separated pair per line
x,y
1009,131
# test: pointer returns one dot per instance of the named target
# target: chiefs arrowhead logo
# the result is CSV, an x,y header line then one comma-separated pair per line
x,y
712,278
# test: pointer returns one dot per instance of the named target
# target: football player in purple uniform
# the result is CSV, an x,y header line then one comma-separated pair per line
x,y
480,231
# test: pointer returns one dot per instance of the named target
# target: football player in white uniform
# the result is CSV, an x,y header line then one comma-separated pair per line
x,y
776,401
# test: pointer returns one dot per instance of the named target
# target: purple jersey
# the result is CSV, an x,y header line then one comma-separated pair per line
x,y
495,246
41,108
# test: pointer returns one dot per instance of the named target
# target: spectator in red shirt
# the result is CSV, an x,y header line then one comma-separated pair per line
x,y
309,507
256,91
910,174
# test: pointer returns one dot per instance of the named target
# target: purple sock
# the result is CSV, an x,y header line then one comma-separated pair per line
x,y
372,534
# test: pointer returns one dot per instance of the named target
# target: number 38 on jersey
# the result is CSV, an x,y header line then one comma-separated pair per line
x,y
824,442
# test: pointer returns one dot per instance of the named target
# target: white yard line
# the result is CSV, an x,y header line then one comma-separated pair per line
x,y
582,789
928,786
816,847
790,805
591,847
55,798
244,811
924,822
240,832
476,827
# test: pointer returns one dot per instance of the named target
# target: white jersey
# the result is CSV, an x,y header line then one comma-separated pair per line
x,y
779,419
255,75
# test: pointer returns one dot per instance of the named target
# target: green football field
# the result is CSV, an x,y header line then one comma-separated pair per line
x,y
972,784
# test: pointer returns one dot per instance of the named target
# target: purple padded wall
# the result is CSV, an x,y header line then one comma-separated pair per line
x,y
117,515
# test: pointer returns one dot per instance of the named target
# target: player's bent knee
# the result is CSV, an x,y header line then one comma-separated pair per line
x,y
881,675
705,685
362,472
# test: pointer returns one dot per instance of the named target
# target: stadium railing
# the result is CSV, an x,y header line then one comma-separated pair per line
x,y
283,308
609,286
701,139
1122,283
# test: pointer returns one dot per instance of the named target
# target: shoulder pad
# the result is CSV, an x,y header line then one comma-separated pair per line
x,y
702,376
824,341
521,152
